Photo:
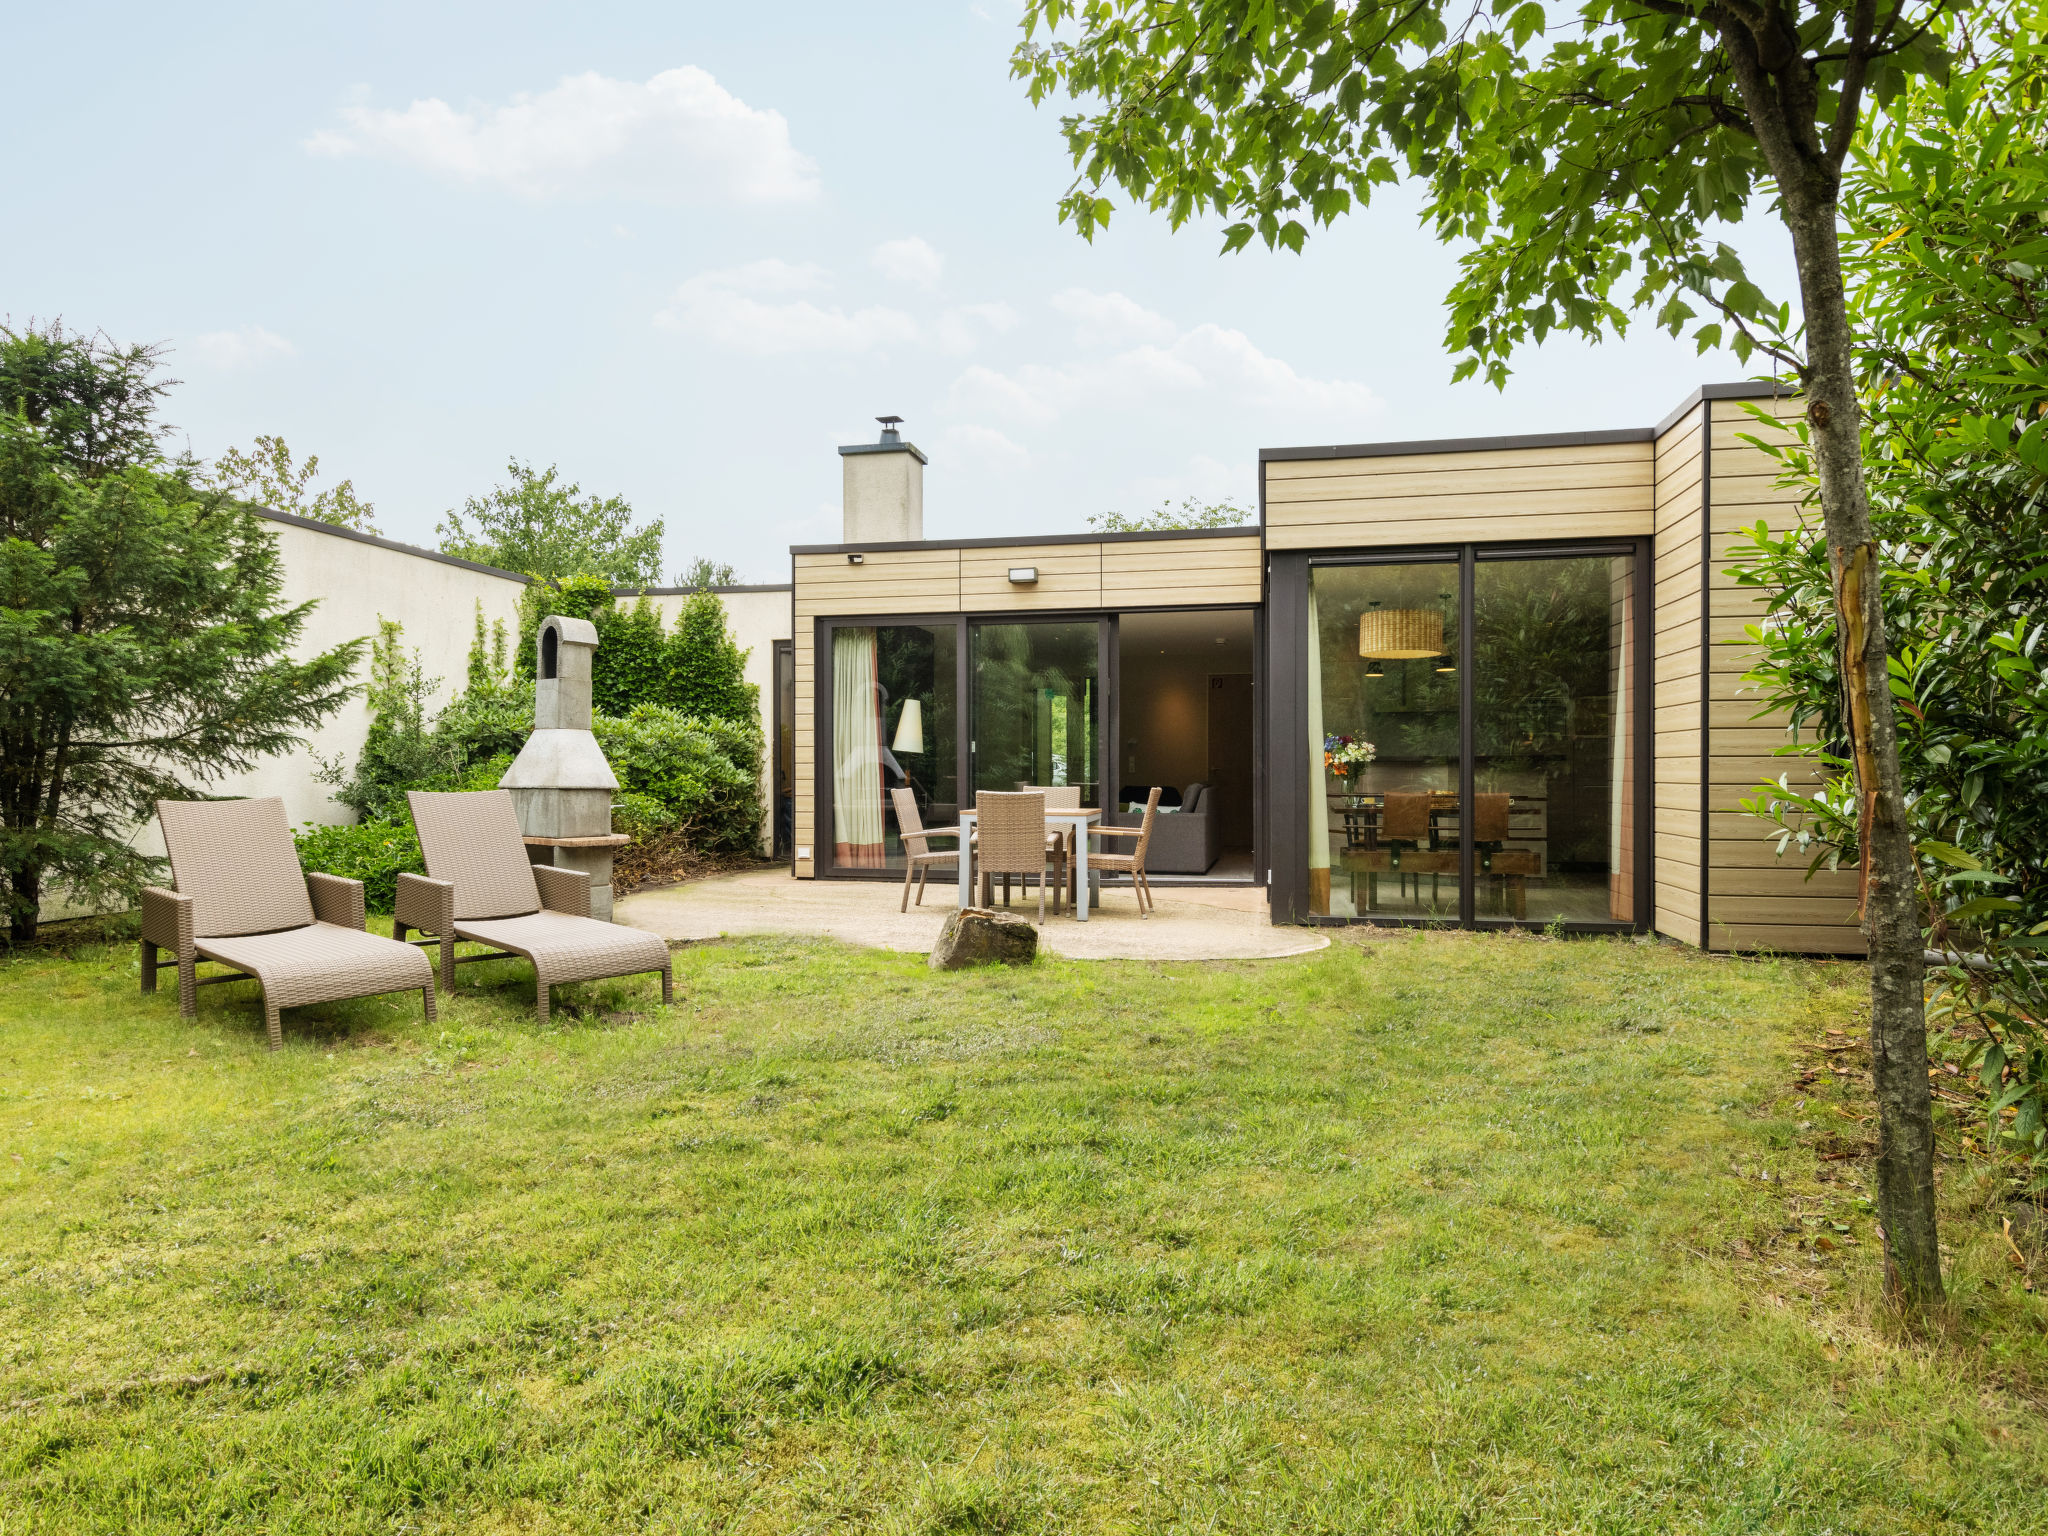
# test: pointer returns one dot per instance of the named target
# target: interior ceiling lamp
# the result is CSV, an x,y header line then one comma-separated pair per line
x,y
909,728
1401,634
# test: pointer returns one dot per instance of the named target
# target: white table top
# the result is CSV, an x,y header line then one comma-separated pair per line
x,y
1083,814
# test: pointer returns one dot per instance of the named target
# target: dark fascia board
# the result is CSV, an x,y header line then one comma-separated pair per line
x,y
910,448
1755,389
470,565
414,550
1758,389
686,591
1455,445
1249,531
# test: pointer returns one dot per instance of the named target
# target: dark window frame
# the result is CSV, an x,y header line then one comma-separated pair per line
x,y
1108,707
1288,575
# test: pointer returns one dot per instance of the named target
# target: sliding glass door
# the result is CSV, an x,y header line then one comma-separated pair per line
x,y
894,724
1475,747
1037,689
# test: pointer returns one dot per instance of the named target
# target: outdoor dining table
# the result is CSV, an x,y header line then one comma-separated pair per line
x,y
1080,821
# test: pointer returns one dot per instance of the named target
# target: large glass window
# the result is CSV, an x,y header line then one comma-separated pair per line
x,y
894,726
1383,740
1035,706
1526,767
1553,647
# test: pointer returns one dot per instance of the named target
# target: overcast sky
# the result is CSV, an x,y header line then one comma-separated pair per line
x,y
684,250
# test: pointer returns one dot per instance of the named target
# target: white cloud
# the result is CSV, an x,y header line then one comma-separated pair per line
x,y
978,447
679,136
751,308
250,347
1110,319
963,327
909,260
1210,360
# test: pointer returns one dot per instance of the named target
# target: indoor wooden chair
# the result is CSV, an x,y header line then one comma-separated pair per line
x,y
1405,822
1132,863
1010,838
919,858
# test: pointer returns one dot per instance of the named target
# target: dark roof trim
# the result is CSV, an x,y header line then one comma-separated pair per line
x,y
414,550
686,591
852,448
294,520
1755,389
1246,532
1456,445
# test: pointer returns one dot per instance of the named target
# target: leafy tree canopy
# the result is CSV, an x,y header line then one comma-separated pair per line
x,y
1191,513
267,476
144,649
1585,154
541,527
701,573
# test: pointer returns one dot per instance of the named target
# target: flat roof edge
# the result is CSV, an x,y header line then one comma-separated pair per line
x,y
771,586
292,519
1244,531
1455,445
1752,389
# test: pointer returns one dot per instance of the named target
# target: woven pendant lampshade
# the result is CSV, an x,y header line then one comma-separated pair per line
x,y
1401,634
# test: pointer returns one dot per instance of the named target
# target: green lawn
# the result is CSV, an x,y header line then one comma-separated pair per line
x,y
1423,1233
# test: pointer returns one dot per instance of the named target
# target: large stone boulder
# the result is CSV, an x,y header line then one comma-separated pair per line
x,y
975,936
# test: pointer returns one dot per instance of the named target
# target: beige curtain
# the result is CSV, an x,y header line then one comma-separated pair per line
x,y
856,752
1318,779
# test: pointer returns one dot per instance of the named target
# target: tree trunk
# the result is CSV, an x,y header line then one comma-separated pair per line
x,y
1891,901
26,884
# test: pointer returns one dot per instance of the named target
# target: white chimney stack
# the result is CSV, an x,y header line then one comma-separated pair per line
x,y
884,488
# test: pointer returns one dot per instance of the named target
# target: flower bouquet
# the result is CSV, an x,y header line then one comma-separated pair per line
x,y
1341,754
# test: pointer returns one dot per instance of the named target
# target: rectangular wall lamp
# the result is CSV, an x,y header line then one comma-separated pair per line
x,y
855,559
1023,575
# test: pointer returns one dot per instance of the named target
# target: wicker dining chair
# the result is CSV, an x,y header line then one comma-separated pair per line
x,y
1010,839
242,901
1061,797
480,887
1132,863
919,858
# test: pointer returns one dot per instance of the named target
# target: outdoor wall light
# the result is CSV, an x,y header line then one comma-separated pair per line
x,y
1023,575
855,559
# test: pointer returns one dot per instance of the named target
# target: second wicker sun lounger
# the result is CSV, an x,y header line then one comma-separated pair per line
x,y
242,901
480,887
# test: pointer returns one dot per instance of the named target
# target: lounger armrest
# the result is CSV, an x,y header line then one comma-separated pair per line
x,y
563,890
337,900
167,920
428,905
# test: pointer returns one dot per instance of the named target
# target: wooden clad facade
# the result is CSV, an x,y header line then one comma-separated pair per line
x,y
1678,493
1113,573
1586,485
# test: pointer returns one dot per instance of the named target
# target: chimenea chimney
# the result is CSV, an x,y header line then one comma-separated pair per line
x,y
884,488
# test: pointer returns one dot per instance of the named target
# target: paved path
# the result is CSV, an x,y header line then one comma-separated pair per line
x,y
1192,922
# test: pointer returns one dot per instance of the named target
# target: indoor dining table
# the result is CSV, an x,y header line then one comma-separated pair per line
x,y
1080,821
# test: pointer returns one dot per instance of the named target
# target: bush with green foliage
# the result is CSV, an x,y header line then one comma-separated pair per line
x,y
704,773
683,778
1946,257
697,668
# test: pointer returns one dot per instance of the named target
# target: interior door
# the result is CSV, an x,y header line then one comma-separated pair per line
x,y
1230,757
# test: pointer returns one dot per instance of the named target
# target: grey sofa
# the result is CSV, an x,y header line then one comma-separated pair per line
x,y
1183,841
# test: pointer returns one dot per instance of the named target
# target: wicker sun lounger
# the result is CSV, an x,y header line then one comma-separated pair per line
x,y
242,901
481,888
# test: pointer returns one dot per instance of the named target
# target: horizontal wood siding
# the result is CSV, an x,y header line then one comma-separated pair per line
x,y
1675,606
1755,898
1593,490
1114,574
1150,573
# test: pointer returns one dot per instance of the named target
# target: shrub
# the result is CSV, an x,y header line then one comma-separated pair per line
x,y
374,852
707,773
705,672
